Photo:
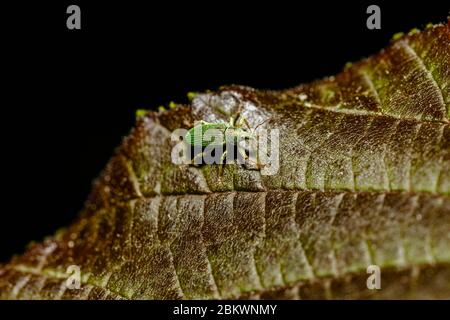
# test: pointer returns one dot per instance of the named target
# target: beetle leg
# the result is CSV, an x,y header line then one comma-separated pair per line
x,y
222,163
199,155
252,164
238,121
242,153
243,120
222,158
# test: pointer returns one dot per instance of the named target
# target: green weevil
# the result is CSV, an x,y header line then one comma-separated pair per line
x,y
230,134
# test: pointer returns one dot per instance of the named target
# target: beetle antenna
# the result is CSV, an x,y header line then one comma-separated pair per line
x,y
257,126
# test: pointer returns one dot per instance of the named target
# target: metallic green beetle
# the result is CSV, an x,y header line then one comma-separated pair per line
x,y
231,134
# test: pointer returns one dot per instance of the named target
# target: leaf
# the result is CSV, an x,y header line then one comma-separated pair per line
x,y
364,180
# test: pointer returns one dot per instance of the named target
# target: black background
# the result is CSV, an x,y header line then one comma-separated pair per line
x,y
69,96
